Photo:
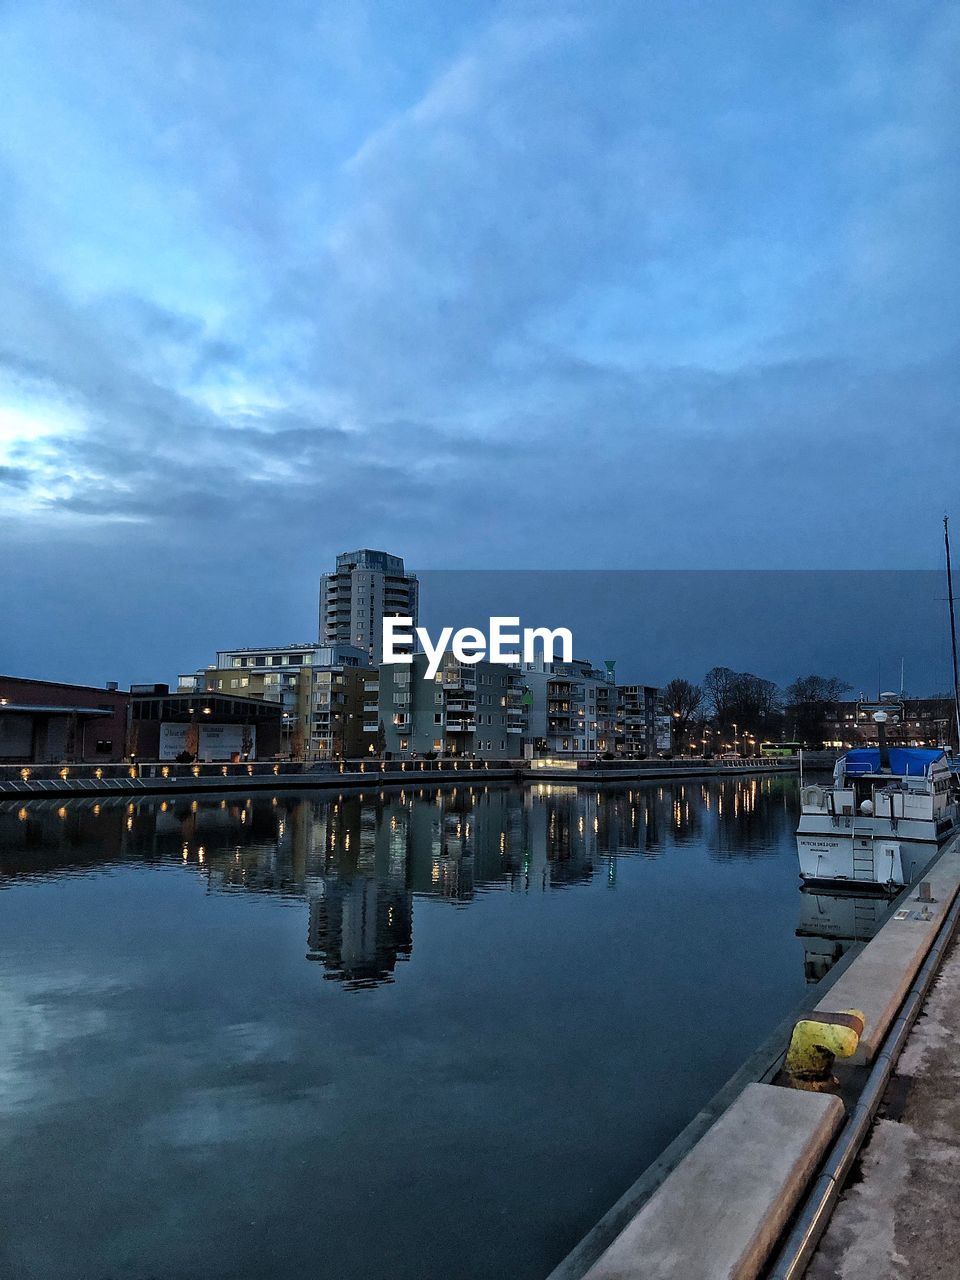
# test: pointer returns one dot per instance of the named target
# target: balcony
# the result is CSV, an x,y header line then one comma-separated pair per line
x,y
461,726
460,684
460,705
460,677
567,689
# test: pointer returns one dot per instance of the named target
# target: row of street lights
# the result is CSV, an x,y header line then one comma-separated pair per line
x,y
748,740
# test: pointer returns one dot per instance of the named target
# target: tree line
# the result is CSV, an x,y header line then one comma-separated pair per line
x,y
738,705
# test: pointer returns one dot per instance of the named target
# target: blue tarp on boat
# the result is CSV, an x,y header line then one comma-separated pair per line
x,y
906,762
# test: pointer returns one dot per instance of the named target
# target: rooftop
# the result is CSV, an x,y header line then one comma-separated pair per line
x,y
61,684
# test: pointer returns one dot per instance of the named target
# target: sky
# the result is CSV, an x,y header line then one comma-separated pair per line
x,y
870,628
541,286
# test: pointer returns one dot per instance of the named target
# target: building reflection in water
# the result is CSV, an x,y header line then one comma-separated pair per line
x,y
830,924
360,859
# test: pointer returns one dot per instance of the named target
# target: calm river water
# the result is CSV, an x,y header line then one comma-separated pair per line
x,y
403,1036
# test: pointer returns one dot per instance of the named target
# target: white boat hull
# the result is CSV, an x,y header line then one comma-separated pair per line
x,y
869,861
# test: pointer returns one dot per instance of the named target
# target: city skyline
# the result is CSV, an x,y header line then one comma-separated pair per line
x,y
653,625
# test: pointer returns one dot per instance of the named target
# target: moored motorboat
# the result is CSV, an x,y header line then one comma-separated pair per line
x,y
885,816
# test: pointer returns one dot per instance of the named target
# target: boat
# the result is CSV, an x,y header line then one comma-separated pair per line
x,y
890,809
885,816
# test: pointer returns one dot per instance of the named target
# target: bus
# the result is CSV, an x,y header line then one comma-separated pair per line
x,y
775,750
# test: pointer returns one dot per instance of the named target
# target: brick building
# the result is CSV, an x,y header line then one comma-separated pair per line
x,y
912,722
49,722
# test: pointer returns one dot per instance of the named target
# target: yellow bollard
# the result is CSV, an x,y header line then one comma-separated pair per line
x,y
816,1042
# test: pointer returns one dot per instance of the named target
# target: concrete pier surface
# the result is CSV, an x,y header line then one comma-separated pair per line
x,y
719,1212
900,1214
878,980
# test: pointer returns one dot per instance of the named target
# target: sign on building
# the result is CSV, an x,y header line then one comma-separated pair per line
x,y
215,741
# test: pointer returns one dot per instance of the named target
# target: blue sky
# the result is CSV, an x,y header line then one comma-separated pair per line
x,y
487,285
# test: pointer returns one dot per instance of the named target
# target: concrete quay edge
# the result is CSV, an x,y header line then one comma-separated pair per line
x,y
880,976
719,1213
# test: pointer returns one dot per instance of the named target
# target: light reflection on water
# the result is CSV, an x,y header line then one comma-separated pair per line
x,y
418,1033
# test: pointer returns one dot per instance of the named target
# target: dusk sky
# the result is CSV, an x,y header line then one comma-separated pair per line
x,y
487,285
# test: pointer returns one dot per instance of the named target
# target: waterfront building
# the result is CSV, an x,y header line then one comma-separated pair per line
x,y
911,722
203,724
365,587
320,689
373,739
52,722
468,709
570,708
638,706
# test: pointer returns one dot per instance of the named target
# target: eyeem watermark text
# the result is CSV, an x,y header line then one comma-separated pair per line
x,y
504,643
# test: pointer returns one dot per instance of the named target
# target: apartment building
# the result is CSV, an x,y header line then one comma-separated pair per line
x,y
468,710
571,708
365,587
638,709
319,688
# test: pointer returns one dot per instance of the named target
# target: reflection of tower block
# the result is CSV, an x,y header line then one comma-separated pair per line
x,y
358,930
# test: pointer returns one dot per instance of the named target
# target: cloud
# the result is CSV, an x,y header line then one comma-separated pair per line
x,y
514,285
15,477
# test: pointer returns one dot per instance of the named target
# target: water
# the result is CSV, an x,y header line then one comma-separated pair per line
x,y
408,1035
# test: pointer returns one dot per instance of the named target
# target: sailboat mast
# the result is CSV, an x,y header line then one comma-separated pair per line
x,y
953,632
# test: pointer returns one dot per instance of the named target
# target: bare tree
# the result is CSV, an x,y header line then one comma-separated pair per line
x,y
682,701
718,689
808,701
740,698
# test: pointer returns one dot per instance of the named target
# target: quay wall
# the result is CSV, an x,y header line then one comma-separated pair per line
x,y
22,782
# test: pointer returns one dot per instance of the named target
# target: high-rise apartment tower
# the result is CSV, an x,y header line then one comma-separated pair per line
x,y
366,587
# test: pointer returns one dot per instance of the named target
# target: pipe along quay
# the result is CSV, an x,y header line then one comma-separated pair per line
x,y
748,1189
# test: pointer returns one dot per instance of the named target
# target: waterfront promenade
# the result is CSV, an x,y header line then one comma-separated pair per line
x,y
901,1217
153,778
